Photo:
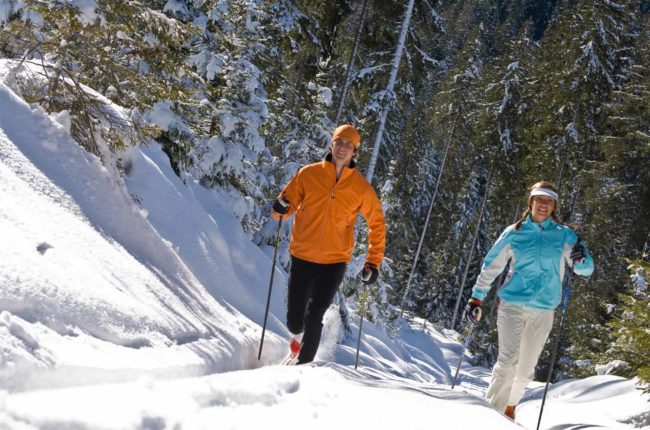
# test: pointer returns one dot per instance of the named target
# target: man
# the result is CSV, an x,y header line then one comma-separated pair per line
x,y
327,198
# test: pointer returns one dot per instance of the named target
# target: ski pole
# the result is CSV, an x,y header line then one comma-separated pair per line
x,y
468,339
268,299
565,302
471,249
361,314
426,221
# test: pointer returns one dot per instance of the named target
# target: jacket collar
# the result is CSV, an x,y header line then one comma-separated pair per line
x,y
548,222
352,165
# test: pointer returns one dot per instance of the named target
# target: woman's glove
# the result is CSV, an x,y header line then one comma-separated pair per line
x,y
578,253
473,311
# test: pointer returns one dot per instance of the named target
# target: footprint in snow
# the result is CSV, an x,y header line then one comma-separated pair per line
x,y
42,247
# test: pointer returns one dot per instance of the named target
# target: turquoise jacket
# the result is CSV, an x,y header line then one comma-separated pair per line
x,y
537,253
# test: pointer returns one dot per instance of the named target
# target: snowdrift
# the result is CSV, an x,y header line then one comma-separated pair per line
x,y
90,285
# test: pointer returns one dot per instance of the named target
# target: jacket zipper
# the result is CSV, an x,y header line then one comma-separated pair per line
x,y
539,255
327,213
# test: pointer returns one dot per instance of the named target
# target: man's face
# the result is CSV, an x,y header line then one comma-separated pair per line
x,y
342,151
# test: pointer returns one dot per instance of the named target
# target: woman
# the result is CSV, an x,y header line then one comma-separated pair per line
x,y
537,247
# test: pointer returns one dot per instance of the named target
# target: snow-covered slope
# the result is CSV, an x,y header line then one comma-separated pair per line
x,y
135,301
86,275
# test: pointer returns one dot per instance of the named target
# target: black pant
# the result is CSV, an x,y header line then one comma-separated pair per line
x,y
312,287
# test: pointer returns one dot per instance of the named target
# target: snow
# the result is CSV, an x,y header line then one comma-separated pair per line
x,y
325,96
228,123
6,9
136,302
176,7
109,284
87,11
612,366
593,63
639,281
208,64
572,131
614,5
163,116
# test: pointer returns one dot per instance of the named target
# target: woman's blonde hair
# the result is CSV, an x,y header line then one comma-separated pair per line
x,y
541,184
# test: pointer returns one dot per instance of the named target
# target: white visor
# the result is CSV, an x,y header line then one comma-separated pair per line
x,y
544,192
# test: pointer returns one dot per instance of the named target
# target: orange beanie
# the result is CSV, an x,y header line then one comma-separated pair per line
x,y
348,132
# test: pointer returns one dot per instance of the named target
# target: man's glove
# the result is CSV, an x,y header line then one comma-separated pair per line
x,y
473,311
578,253
281,206
369,274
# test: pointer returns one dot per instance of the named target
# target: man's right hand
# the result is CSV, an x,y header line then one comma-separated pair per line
x,y
369,274
281,206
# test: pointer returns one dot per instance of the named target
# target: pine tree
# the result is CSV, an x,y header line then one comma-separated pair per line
x,y
125,50
631,328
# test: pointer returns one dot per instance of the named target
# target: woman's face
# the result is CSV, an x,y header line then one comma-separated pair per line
x,y
542,208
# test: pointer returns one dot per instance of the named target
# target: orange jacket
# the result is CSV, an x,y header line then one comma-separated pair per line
x,y
323,230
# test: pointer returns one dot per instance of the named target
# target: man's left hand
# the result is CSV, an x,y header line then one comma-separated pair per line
x,y
369,274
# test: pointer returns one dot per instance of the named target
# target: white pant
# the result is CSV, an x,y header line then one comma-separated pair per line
x,y
522,332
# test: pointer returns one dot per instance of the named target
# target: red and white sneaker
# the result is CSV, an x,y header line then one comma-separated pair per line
x,y
294,346
294,349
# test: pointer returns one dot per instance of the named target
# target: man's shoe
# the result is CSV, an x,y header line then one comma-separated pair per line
x,y
295,343
294,349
